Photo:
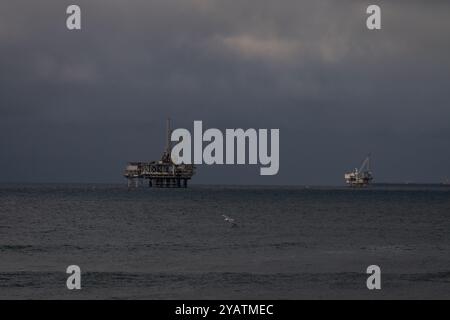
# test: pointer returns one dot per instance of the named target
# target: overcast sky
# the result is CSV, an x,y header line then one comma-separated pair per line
x,y
75,106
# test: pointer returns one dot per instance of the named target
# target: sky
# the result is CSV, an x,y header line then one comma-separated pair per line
x,y
76,106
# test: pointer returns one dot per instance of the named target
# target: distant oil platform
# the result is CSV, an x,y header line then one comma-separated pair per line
x,y
360,177
160,174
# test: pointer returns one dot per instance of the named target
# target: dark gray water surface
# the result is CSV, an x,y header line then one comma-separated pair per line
x,y
290,242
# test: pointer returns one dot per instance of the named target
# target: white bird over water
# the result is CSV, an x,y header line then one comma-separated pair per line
x,y
230,220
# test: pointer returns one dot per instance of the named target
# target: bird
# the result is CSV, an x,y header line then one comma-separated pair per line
x,y
229,220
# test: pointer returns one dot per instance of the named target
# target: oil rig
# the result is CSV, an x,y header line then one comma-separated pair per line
x,y
360,177
160,174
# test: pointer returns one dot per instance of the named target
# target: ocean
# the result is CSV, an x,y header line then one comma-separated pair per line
x,y
285,243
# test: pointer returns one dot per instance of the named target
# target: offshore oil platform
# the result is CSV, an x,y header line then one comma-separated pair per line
x,y
360,177
160,174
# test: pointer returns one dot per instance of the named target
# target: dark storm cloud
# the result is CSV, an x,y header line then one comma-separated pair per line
x,y
75,106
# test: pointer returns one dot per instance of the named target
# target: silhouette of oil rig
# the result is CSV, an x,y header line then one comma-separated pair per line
x,y
160,174
360,177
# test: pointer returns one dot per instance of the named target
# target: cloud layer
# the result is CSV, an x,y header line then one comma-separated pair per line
x,y
76,106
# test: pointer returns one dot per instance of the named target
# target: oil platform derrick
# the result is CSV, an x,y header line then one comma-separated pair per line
x,y
160,174
360,177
